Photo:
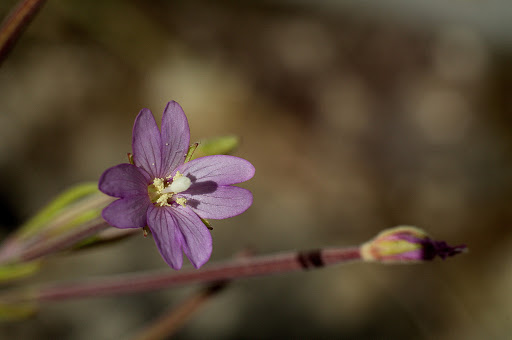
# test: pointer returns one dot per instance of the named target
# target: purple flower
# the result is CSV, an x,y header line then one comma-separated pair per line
x,y
169,196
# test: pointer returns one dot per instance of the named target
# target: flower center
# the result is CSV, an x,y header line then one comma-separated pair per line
x,y
162,191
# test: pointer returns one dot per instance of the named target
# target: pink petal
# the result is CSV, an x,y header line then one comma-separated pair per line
x,y
175,137
221,169
146,143
168,238
197,243
177,229
224,202
127,212
124,180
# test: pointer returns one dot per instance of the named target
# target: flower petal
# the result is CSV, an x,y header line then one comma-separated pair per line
x,y
224,202
197,240
146,143
164,227
221,169
175,137
124,180
127,212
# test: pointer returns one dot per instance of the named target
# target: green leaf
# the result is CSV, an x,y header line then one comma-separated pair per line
x,y
17,271
13,312
64,200
216,146
77,221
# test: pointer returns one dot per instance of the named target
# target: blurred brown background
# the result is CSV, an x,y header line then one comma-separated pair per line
x,y
357,117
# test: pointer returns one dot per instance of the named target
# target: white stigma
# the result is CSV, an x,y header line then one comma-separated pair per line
x,y
179,184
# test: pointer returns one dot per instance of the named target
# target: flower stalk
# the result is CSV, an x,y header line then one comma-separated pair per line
x,y
387,247
233,269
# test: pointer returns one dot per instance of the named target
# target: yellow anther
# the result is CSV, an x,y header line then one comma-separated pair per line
x,y
163,200
159,184
178,175
181,201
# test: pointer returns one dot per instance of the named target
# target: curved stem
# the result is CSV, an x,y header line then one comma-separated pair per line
x,y
15,23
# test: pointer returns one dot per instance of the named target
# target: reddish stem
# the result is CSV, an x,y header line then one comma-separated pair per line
x,y
235,269
14,25
169,324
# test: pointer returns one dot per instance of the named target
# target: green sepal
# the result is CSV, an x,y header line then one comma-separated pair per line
x,y
190,152
206,223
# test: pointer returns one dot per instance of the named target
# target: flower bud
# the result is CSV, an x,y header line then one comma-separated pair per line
x,y
406,244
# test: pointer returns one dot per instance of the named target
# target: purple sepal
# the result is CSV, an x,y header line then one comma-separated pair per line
x,y
431,249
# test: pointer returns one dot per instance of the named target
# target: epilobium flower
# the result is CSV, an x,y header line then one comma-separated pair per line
x,y
169,196
406,244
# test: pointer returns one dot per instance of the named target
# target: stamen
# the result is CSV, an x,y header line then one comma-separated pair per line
x,y
163,200
159,184
177,175
162,194
181,201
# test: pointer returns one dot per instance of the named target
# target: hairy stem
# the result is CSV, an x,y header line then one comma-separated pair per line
x,y
234,269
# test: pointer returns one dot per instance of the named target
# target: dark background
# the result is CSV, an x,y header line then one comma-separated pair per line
x,y
358,116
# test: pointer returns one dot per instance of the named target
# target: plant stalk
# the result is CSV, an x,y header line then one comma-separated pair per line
x,y
14,25
230,270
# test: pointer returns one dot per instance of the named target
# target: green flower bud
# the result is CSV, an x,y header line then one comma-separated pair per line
x,y
406,244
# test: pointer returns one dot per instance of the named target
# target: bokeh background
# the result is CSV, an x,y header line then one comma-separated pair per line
x,y
358,116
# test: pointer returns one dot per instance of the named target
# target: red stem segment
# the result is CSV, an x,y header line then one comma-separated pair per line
x,y
240,268
15,23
